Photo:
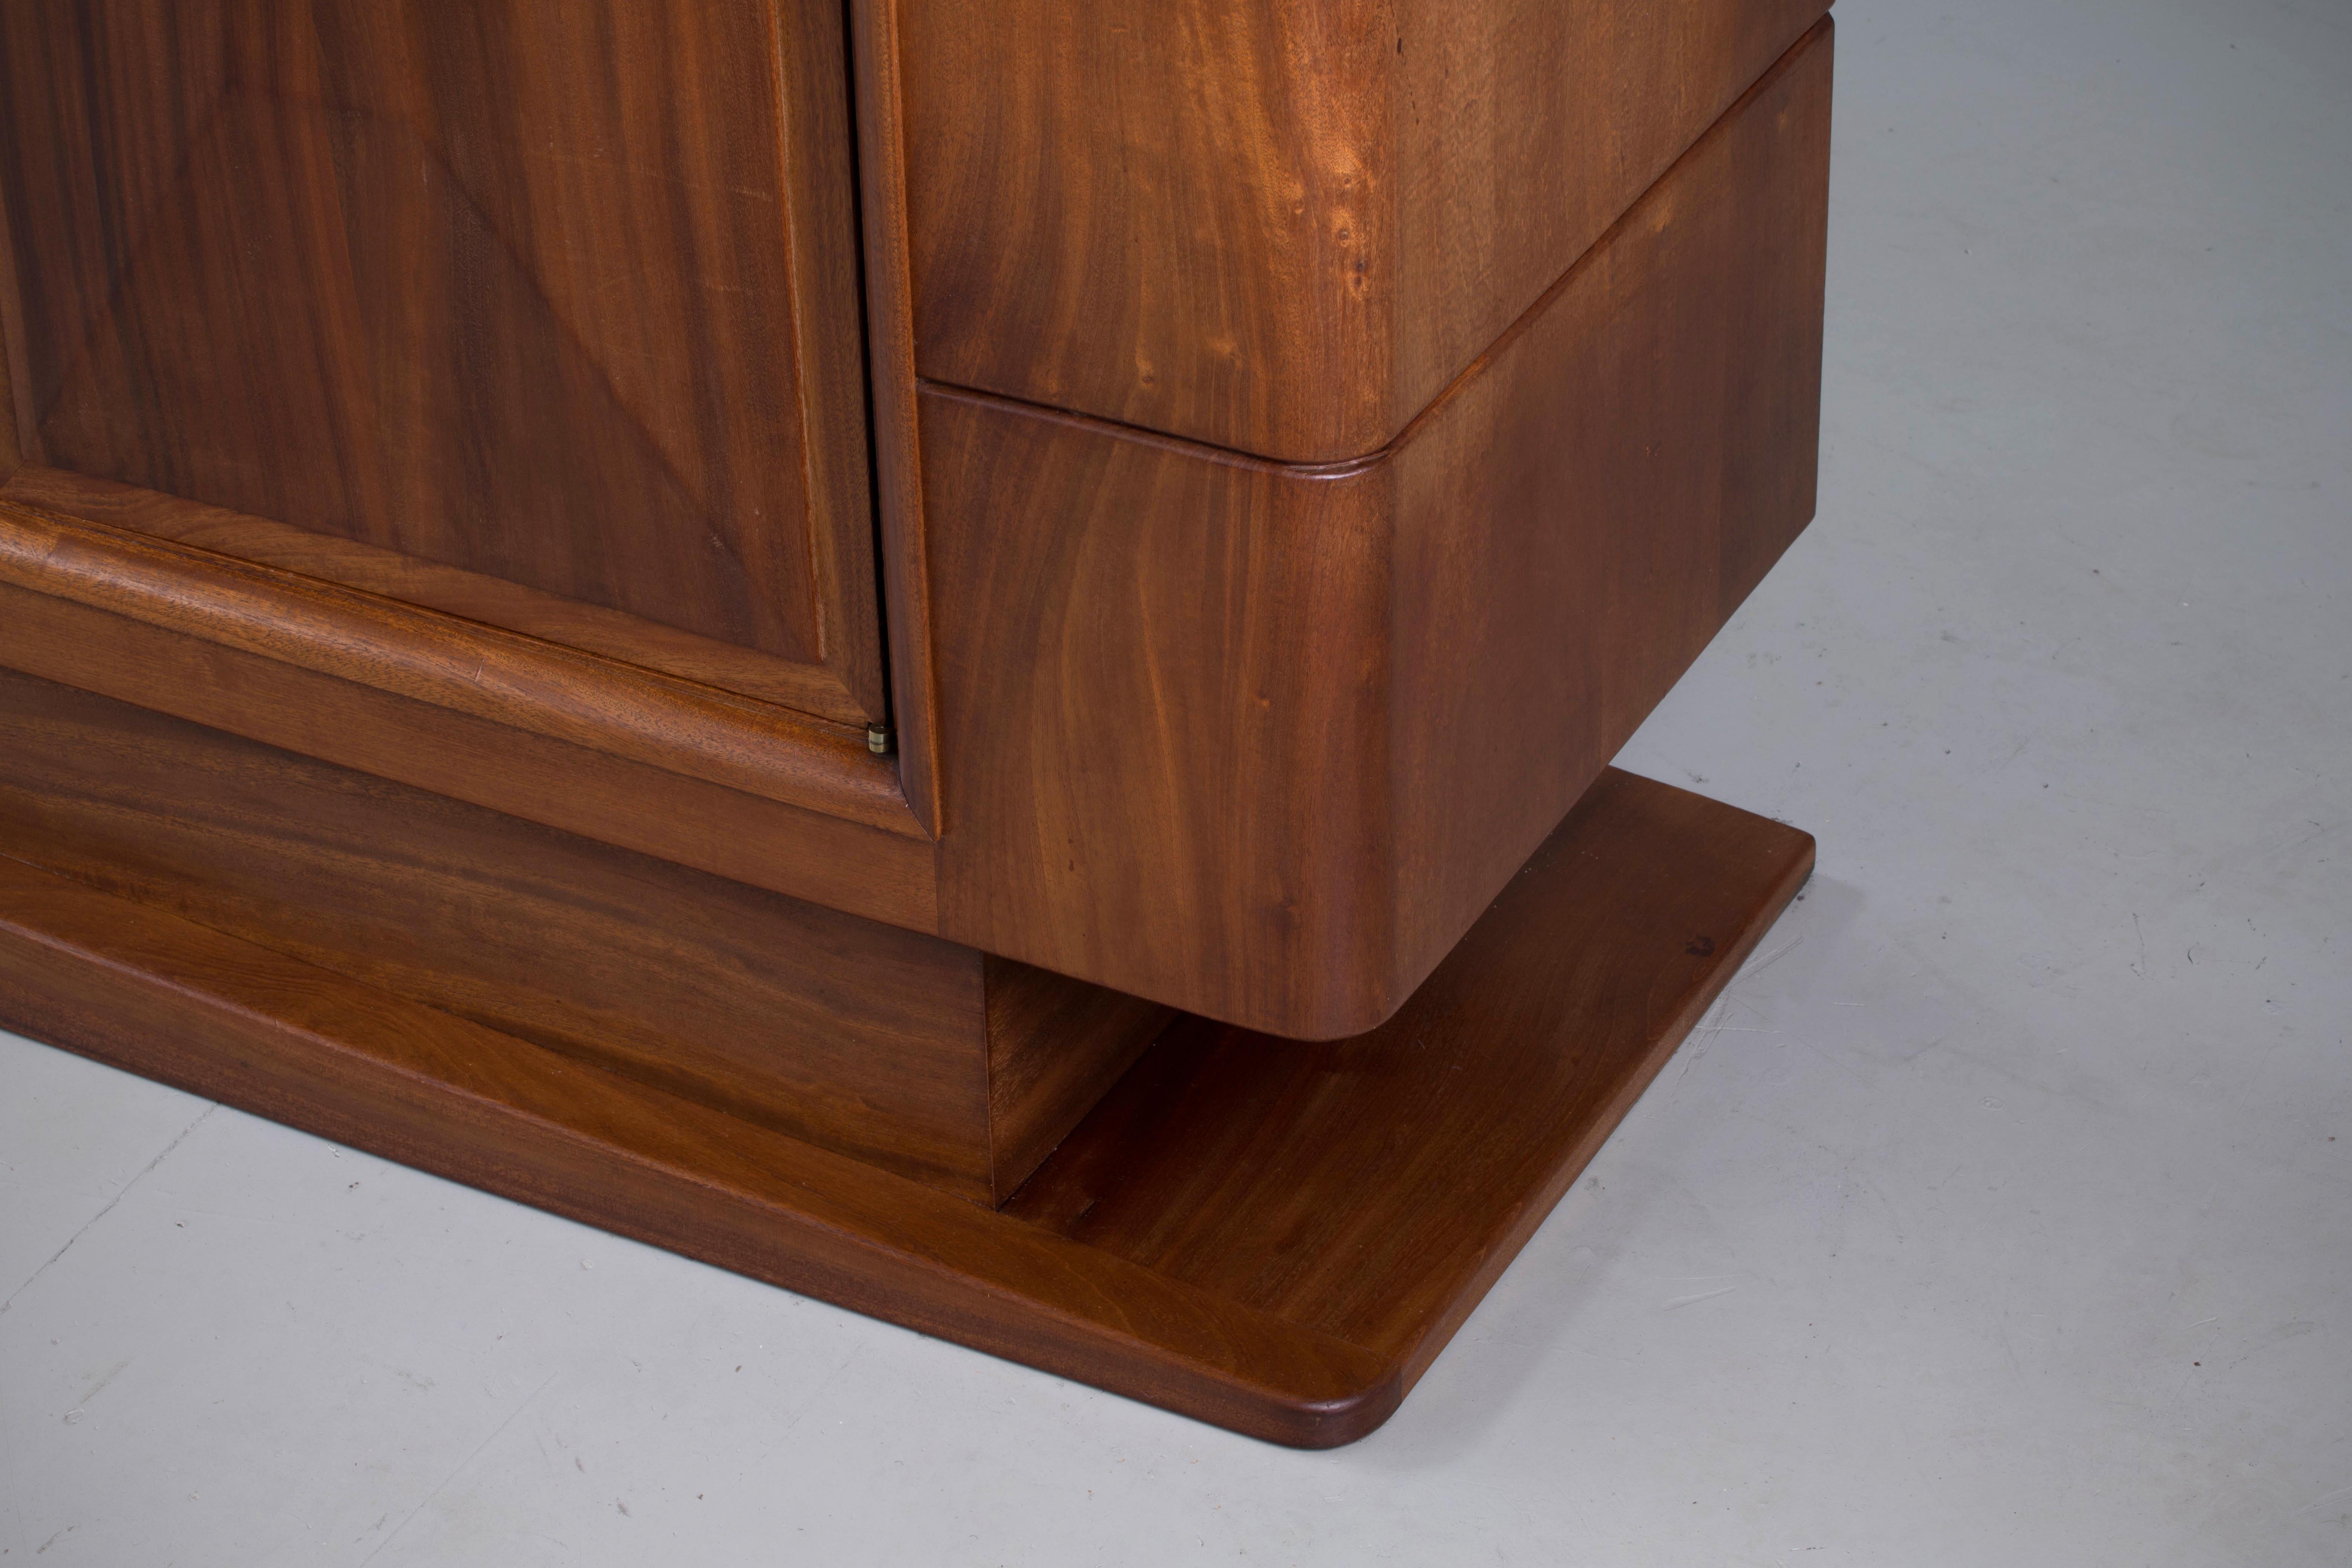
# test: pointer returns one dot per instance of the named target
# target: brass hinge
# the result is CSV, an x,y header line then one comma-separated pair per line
x,y
877,739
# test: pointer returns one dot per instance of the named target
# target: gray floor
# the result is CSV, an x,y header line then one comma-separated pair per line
x,y
2001,1214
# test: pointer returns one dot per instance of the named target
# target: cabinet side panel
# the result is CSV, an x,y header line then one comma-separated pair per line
x,y
1581,517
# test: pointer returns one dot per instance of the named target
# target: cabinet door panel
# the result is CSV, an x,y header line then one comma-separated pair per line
x,y
555,297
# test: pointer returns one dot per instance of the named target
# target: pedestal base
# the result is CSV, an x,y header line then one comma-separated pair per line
x,y
1276,1236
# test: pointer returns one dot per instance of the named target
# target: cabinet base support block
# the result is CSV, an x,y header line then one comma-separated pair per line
x,y
1273,1235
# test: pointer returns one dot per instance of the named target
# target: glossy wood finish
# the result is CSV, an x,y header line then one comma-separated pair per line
x,y
913,1054
225,1018
1054,1046
1260,741
808,691
434,539
10,458
435,659
554,294
803,849
1282,228
890,367
1290,724
1277,1238
1373,1188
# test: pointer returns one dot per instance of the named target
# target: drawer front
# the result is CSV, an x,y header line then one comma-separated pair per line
x,y
1283,229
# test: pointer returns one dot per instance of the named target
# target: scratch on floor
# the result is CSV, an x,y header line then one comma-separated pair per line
x,y
2272,1339
1711,1024
2324,1498
109,1209
1751,971
99,1386
1700,1038
1702,1296
528,1400
810,1402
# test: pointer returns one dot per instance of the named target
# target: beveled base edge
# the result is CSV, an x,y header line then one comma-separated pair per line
x,y
1199,1243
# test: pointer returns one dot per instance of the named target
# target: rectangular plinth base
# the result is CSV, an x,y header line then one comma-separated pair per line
x,y
1276,1236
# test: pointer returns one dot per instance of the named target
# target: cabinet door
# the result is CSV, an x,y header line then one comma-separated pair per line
x,y
540,312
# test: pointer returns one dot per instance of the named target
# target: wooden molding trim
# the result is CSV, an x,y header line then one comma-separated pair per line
x,y
809,51
896,435
483,671
808,854
814,689
11,337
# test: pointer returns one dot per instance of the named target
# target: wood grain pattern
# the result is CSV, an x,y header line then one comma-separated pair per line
x,y
10,459
1260,741
224,1018
443,472
1374,1188
1055,1047
898,448
805,689
559,293
804,851
915,1055
1282,229
433,658
1276,1237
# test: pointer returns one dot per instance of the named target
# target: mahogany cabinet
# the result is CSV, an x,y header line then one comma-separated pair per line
x,y
958,653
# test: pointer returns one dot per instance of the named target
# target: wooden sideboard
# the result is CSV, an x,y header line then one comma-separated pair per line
x,y
958,653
